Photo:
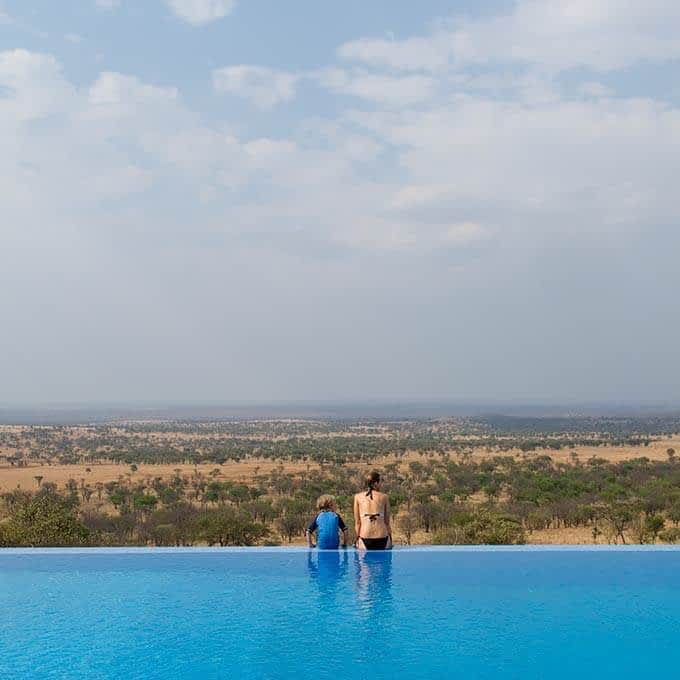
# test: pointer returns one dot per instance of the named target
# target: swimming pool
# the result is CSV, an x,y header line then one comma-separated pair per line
x,y
273,613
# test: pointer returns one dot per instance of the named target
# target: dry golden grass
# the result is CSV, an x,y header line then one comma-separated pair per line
x,y
245,470
568,536
655,451
24,477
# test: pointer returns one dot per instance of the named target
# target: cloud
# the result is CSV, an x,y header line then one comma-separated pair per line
x,y
64,149
414,196
603,35
457,167
107,4
422,53
464,233
200,12
34,86
420,168
596,90
120,137
265,87
116,94
540,163
385,89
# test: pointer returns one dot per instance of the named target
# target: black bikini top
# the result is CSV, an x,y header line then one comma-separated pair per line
x,y
372,516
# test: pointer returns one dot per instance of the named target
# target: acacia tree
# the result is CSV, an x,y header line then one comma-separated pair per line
x,y
619,515
228,526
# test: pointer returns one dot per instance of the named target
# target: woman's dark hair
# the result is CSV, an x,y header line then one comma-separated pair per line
x,y
371,481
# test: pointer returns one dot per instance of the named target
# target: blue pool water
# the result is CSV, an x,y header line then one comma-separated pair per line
x,y
437,613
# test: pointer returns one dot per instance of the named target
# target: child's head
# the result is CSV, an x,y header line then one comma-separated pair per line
x,y
325,502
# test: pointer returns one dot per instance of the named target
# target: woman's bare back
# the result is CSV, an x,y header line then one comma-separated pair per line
x,y
371,514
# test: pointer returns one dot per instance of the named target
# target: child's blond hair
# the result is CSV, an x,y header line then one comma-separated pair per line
x,y
325,502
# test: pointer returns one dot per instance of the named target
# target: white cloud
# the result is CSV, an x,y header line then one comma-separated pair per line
x,y
426,173
543,163
474,168
200,12
107,4
265,87
464,233
116,94
385,89
35,86
122,136
426,53
552,34
413,196
597,90
433,159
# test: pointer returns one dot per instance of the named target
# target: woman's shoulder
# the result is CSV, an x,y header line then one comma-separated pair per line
x,y
377,495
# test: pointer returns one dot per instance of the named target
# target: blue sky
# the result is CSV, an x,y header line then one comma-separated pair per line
x,y
207,200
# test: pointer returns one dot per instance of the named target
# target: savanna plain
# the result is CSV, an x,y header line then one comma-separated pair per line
x,y
462,480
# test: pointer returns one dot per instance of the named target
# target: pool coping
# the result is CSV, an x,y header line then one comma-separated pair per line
x,y
402,550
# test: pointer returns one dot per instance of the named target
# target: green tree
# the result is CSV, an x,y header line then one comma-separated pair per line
x,y
45,519
228,526
483,529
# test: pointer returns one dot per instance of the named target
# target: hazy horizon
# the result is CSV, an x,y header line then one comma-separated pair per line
x,y
70,414
218,201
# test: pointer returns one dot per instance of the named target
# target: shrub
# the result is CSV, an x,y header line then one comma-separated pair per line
x,y
482,529
645,529
5,534
228,527
45,519
671,535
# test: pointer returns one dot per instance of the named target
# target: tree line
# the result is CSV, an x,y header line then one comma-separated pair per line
x,y
321,442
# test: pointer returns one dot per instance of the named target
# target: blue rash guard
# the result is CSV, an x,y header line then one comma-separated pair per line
x,y
327,524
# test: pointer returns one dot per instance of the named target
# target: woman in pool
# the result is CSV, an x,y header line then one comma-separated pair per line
x,y
372,516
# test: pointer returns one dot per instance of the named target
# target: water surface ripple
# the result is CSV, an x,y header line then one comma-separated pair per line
x,y
338,614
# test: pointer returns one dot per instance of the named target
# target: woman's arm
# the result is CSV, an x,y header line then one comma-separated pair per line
x,y
357,518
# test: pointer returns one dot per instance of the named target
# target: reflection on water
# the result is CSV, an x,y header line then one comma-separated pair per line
x,y
328,569
374,581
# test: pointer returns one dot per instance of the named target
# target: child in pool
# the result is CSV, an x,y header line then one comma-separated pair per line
x,y
327,524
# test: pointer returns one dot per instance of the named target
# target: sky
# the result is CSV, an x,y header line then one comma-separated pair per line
x,y
259,201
